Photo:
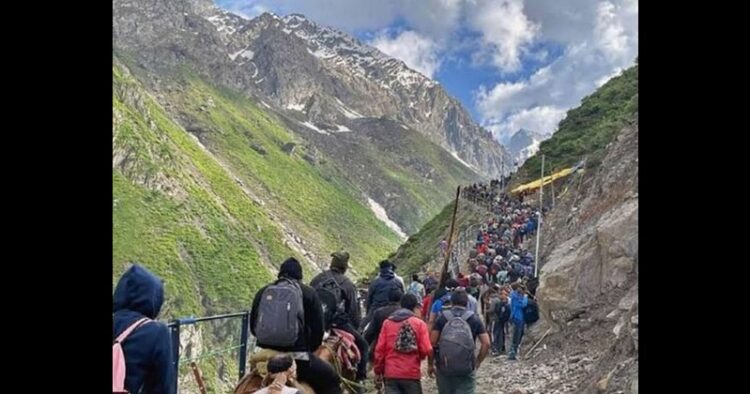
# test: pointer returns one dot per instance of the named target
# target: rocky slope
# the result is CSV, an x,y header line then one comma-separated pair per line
x,y
587,338
392,133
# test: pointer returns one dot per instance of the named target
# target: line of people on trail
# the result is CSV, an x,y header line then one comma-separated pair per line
x,y
291,318
401,328
287,317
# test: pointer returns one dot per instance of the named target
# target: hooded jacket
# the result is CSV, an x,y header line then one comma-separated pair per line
x,y
396,365
148,349
377,294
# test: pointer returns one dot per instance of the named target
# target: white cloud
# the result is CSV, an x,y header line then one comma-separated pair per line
x,y
600,40
416,51
244,8
542,119
506,30
610,32
434,18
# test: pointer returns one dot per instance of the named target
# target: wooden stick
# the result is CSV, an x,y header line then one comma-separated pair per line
x,y
539,341
444,271
198,377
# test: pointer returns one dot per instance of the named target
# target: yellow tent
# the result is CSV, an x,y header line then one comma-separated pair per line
x,y
547,180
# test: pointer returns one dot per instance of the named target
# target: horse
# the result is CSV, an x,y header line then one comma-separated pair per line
x,y
329,351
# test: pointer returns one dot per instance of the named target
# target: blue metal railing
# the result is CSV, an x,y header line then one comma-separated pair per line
x,y
175,325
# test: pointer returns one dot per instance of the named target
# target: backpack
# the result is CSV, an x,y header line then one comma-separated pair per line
x,y
414,289
118,357
406,340
528,271
281,314
502,309
531,312
331,296
456,345
532,285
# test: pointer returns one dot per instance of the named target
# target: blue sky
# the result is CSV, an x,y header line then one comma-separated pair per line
x,y
512,63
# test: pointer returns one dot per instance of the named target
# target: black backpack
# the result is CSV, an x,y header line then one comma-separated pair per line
x,y
281,314
503,311
531,312
331,296
456,344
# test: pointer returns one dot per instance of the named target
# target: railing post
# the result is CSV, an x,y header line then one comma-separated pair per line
x,y
243,343
175,330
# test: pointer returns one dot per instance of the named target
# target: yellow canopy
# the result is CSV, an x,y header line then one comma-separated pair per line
x,y
546,180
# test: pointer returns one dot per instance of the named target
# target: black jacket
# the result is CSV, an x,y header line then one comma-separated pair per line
x,y
313,321
377,295
502,309
378,318
351,304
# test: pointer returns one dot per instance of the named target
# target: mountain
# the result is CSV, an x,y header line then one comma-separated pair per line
x,y
293,64
237,143
524,144
333,91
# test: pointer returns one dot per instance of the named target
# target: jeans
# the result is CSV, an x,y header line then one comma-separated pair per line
x,y
498,336
518,326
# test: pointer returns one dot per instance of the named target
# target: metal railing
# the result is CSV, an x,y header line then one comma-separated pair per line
x,y
176,325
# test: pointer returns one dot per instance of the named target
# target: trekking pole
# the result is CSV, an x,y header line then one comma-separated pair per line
x,y
443,272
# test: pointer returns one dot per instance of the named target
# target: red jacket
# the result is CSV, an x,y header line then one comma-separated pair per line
x,y
393,364
426,304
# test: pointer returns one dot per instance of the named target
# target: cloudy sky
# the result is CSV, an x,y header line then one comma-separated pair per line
x,y
513,63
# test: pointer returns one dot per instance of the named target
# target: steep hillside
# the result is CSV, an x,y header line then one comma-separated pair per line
x,y
404,164
588,292
421,251
587,129
212,215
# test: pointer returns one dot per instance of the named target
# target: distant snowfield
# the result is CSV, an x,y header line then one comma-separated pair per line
x,y
463,162
313,127
381,214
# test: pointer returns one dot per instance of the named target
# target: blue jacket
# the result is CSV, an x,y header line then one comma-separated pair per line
x,y
377,294
148,349
438,305
517,303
